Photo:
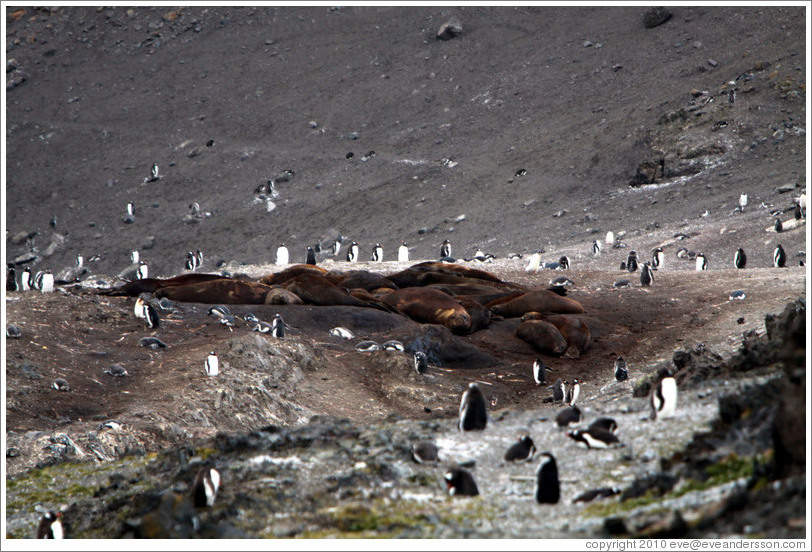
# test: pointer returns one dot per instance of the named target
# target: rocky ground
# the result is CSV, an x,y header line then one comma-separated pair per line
x,y
312,437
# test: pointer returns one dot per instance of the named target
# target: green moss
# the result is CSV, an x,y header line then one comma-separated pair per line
x,y
204,453
423,479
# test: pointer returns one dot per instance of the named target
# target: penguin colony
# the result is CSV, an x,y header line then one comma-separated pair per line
x,y
601,434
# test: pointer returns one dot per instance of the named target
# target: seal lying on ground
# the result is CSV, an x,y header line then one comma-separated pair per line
x,y
290,273
540,300
430,306
315,289
222,291
149,285
542,336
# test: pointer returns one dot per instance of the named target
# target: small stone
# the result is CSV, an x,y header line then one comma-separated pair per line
x,y
656,16
450,29
313,124
587,44
713,62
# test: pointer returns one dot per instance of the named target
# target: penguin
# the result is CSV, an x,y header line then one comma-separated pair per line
x,y
592,494
117,371
262,327
335,248
621,369
779,227
199,258
548,490
558,390
421,362
138,309
11,280
594,438
473,410
52,222
596,247
657,258
740,259
143,271
278,326
646,274
564,262
737,295
50,526
522,450
798,212
72,274
46,284
742,202
111,424
282,256
129,215
663,398
701,262
61,384
539,372
403,253
731,95
802,204
573,393
519,172
352,253
228,321
779,257
251,318
631,261
367,347
610,238
311,256
425,452
343,333
460,483
212,364
533,263
568,417
377,253
191,261
623,265
608,424
393,345
219,311
25,279
134,257
621,283
445,249
151,316
13,332
152,343
194,209
204,489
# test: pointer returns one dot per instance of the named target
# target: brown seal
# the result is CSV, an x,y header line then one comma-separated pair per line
x,y
480,316
223,291
574,330
543,336
315,289
362,279
291,272
437,266
430,306
137,287
540,300
281,296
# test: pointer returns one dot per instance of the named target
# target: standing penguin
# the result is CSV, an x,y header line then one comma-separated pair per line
x,y
352,253
143,271
445,249
573,393
377,253
798,212
596,247
46,284
191,261
658,258
50,526
403,253
663,397
779,227
278,326
740,259
134,257
282,255
646,274
779,257
631,261
25,279
311,256
11,279
151,316
621,369
129,216
473,410
548,490
204,489
539,372
421,362
610,238
336,247
742,202
558,390
533,263
212,364
701,262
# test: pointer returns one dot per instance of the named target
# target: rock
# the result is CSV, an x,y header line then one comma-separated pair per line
x,y
444,348
148,243
668,525
175,517
656,16
451,28
661,483
21,237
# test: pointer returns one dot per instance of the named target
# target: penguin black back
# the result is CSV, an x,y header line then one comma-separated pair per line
x,y
740,259
548,490
460,483
311,256
473,410
521,451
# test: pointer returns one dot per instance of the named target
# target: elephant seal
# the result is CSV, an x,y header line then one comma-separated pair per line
x,y
431,306
542,336
222,291
150,285
574,331
281,296
540,300
480,316
360,279
436,266
315,289
291,272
